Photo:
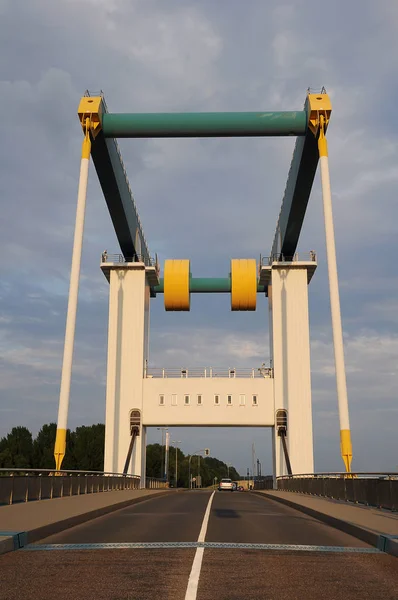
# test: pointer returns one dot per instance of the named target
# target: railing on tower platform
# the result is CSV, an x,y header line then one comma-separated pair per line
x,y
282,258
209,372
120,259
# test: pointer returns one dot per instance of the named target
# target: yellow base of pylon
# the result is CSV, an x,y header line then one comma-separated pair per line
x,y
60,447
346,448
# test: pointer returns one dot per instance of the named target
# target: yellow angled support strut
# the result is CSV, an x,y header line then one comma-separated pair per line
x,y
176,285
64,394
319,109
243,284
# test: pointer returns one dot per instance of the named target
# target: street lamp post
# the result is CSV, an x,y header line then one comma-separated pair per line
x,y
206,452
167,456
253,461
176,474
189,472
163,469
198,477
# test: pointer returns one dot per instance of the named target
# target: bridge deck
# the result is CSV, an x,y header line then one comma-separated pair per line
x,y
40,518
251,546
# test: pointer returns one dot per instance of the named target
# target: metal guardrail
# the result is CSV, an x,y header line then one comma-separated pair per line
x,y
120,259
264,483
210,372
372,489
278,258
26,485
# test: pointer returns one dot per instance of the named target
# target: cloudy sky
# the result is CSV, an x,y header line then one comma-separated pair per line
x,y
207,200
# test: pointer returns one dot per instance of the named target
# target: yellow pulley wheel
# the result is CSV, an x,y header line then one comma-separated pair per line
x,y
243,284
176,285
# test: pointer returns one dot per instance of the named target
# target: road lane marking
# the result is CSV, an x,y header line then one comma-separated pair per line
x,y
202,533
193,582
202,545
137,514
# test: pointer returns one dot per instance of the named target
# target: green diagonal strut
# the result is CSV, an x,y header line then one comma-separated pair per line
x,y
223,124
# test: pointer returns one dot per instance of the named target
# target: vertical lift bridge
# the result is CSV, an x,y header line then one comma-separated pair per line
x,y
101,129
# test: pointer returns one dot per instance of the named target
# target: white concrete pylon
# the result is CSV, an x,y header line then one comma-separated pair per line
x,y
290,351
345,435
60,442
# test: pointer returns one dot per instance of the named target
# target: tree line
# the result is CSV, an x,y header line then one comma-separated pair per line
x,y
208,468
85,452
84,448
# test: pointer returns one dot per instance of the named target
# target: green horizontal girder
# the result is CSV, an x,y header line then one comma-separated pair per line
x,y
223,124
206,285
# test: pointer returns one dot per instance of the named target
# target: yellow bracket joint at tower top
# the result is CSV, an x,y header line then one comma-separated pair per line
x,y
318,105
91,107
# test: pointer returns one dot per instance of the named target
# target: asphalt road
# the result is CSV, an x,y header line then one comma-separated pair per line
x,y
131,573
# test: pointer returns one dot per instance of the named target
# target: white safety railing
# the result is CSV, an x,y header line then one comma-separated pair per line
x,y
210,372
282,258
120,259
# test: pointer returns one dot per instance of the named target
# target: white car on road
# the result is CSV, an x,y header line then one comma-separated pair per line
x,y
226,484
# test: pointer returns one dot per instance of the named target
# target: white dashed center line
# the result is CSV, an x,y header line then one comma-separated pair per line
x,y
193,582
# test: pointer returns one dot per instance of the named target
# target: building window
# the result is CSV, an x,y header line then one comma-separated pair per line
x,y
161,400
242,399
229,400
254,400
199,400
186,400
173,399
217,399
